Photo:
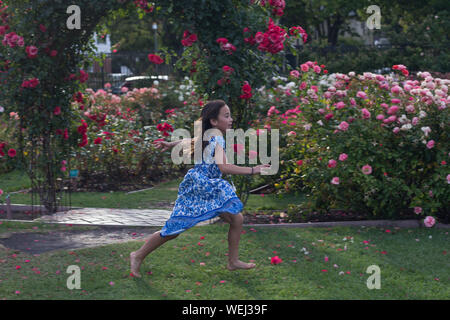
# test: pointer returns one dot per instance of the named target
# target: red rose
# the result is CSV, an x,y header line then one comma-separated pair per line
x,y
83,76
12,153
66,134
57,111
222,41
98,140
155,59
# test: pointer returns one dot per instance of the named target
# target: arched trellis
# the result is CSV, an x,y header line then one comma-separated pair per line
x,y
37,84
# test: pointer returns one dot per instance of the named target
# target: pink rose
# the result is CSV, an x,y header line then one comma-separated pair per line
x,y
410,108
343,126
295,73
429,221
335,180
328,116
340,105
396,89
396,130
430,144
393,110
31,52
380,117
365,113
276,260
332,163
304,67
361,95
417,210
367,169
343,157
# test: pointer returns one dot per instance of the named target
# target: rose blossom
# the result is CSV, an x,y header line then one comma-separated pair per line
x,y
429,221
367,169
332,163
365,113
335,180
295,73
31,52
361,95
343,157
343,126
430,144
417,210
340,105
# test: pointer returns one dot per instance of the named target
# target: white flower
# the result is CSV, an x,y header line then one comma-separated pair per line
x,y
180,98
1,109
422,114
307,126
403,119
341,273
426,130
406,127
290,85
320,122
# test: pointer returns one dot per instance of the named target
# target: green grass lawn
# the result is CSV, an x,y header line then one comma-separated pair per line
x,y
414,264
162,193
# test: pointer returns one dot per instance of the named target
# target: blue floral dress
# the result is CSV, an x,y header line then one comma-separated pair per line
x,y
202,195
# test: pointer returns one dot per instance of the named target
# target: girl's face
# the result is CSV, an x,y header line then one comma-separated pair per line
x,y
224,120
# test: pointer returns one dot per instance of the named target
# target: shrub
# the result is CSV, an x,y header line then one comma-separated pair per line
x,y
373,144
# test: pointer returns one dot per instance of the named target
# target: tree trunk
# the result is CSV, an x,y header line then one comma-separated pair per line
x,y
333,30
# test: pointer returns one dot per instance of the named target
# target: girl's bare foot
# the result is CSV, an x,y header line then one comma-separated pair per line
x,y
240,265
135,264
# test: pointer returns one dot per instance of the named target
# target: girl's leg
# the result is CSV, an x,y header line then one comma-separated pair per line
x,y
234,236
152,243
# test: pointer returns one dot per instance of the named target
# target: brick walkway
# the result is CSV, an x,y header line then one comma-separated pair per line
x,y
113,217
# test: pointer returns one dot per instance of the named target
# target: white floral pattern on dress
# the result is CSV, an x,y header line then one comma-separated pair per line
x,y
202,195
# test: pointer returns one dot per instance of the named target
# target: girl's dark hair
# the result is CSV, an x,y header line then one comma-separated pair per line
x,y
210,111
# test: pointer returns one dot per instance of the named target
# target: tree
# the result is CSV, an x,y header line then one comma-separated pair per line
x,y
43,73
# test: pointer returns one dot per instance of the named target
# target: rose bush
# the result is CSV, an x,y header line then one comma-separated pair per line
x,y
116,133
373,144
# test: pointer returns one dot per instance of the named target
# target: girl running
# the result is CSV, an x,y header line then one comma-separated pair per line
x,y
203,194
